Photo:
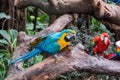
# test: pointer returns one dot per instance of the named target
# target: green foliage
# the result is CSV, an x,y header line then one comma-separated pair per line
x,y
9,39
33,60
4,59
98,27
7,44
75,75
41,23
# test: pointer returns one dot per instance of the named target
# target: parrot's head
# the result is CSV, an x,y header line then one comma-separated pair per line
x,y
104,37
69,31
71,35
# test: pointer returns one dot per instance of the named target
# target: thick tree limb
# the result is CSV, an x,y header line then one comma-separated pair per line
x,y
74,58
114,29
24,40
97,8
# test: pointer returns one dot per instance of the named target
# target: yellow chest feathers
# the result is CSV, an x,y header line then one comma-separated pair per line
x,y
62,41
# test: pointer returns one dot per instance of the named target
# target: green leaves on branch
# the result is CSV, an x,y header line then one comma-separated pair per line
x,y
9,40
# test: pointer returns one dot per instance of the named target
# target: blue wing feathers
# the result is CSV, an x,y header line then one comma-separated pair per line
x,y
26,56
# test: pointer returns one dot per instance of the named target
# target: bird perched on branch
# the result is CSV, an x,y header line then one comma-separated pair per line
x,y
51,44
114,56
115,1
100,44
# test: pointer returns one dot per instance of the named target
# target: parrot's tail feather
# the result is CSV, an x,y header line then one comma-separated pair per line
x,y
111,56
26,56
91,53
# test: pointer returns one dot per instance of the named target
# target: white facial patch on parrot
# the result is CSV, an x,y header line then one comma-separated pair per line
x,y
105,39
102,37
118,43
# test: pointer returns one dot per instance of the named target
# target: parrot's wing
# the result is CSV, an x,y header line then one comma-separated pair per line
x,y
95,40
52,48
40,39
92,45
49,45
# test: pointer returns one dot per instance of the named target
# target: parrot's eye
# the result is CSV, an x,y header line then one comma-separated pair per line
x,y
70,37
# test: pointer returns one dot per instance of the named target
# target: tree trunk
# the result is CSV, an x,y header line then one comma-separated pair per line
x,y
17,20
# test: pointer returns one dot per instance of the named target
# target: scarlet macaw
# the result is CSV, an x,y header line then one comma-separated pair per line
x,y
100,44
51,44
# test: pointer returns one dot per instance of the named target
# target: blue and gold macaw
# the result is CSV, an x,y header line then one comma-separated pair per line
x,y
51,44
115,1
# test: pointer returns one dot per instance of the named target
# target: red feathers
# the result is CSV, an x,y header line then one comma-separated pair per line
x,y
101,43
110,56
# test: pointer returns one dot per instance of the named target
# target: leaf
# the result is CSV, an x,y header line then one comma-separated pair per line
x,y
29,26
3,15
42,17
3,41
5,35
32,17
3,51
31,9
40,25
38,58
13,33
1,55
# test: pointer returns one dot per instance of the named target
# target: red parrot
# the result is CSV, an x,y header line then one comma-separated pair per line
x,y
101,43
114,56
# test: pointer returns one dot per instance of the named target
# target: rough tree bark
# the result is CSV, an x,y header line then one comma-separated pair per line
x,y
114,29
97,8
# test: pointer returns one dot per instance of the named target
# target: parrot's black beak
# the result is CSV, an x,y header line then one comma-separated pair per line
x,y
105,40
71,38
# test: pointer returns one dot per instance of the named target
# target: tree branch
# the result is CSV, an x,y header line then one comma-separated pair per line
x,y
97,8
37,3
74,58
114,29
